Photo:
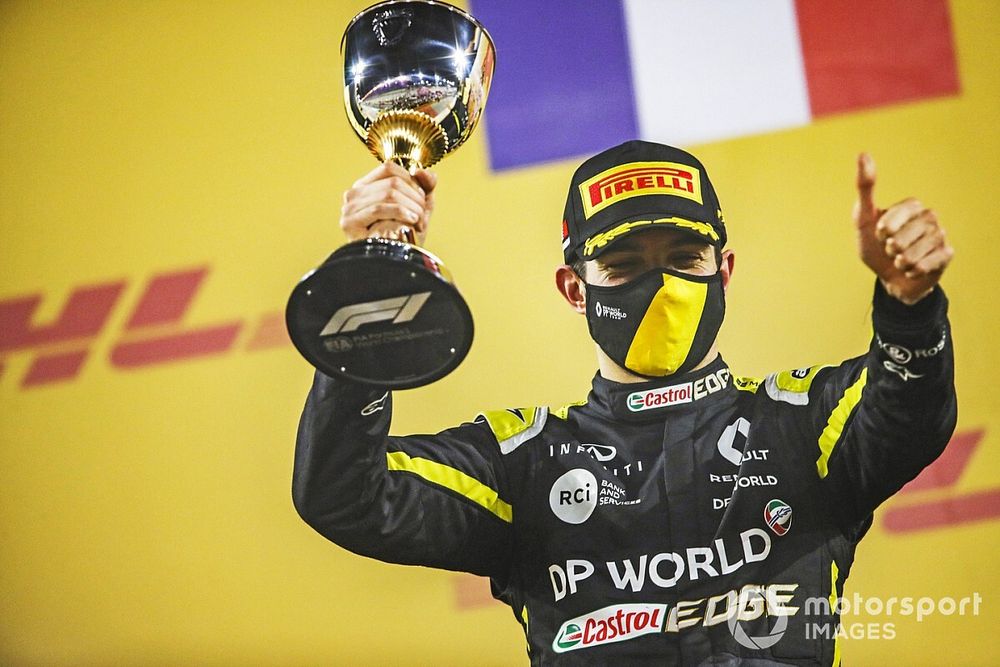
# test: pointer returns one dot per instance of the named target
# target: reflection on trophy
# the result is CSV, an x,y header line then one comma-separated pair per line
x,y
380,311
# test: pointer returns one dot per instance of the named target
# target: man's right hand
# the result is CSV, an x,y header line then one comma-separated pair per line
x,y
390,203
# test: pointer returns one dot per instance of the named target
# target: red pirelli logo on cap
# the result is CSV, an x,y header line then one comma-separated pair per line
x,y
639,178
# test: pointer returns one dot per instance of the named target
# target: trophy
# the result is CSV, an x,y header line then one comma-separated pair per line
x,y
382,311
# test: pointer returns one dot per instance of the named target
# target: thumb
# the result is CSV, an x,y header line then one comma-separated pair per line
x,y
866,210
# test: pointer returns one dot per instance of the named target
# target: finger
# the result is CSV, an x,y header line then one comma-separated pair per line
x,y
404,186
896,216
387,229
358,226
925,222
382,194
909,257
427,180
426,217
933,264
866,187
391,188
369,215
385,170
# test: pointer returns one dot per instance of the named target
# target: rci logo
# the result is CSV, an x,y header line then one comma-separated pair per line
x,y
573,496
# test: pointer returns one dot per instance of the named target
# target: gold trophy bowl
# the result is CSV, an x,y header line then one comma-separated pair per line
x,y
381,311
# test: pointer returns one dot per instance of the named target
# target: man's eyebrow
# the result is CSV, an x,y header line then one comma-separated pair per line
x,y
695,245
627,247
618,252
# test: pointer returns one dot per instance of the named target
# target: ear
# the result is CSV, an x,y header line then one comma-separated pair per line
x,y
572,288
728,264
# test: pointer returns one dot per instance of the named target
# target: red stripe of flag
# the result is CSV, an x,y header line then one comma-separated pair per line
x,y
860,54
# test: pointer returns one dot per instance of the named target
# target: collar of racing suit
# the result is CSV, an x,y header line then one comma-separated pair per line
x,y
653,400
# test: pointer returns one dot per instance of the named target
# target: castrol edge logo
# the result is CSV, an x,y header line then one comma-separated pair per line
x,y
676,394
639,178
610,624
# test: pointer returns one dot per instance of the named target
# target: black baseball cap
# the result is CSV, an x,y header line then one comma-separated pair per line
x,y
635,186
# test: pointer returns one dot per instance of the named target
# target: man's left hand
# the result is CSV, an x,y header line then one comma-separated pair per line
x,y
904,244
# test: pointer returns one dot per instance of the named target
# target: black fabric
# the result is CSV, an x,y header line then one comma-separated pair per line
x,y
680,479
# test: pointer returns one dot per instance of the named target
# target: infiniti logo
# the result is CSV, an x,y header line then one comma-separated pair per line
x,y
602,453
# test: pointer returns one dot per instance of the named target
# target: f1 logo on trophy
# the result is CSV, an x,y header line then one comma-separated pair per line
x,y
382,311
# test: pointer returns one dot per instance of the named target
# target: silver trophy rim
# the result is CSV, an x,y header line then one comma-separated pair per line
x,y
457,10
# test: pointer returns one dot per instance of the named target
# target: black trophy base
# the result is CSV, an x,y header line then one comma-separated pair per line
x,y
380,312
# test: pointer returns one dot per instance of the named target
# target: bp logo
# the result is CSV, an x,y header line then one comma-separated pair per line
x,y
570,635
778,516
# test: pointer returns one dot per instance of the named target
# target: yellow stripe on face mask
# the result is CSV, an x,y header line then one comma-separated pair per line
x,y
666,333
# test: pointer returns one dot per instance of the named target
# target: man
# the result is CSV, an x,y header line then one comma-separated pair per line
x,y
681,515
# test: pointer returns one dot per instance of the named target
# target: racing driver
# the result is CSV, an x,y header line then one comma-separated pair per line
x,y
682,514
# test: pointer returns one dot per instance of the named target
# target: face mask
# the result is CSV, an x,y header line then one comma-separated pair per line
x,y
663,322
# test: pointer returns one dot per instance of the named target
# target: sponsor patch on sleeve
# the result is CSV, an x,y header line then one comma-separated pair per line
x,y
792,386
515,426
746,383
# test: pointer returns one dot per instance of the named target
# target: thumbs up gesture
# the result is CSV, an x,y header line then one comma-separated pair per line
x,y
904,244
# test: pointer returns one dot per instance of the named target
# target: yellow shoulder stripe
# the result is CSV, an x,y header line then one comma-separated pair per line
x,y
835,424
456,480
505,424
512,428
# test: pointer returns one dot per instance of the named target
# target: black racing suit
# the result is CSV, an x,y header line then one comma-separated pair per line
x,y
698,519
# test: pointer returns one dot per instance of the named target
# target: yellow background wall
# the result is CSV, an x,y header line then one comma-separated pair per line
x,y
145,513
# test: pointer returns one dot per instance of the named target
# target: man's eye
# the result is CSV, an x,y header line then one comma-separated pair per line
x,y
620,267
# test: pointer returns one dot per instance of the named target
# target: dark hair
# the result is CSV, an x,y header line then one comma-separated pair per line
x,y
579,266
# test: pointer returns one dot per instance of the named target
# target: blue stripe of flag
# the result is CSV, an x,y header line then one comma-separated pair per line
x,y
563,81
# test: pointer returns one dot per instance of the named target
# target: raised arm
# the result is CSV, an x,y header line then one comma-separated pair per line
x,y
889,414
436,500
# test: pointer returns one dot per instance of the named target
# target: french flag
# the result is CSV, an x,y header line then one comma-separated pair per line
x,y
576,76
